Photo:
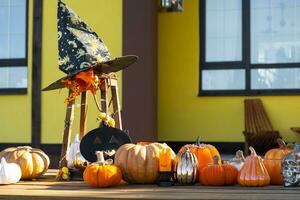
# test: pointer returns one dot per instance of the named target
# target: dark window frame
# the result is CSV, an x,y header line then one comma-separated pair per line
x,y
17,62
244,64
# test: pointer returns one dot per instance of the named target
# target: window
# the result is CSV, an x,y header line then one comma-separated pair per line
x,y
249,47
13,46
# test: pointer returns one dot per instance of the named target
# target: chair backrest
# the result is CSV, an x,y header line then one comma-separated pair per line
x,y
256,118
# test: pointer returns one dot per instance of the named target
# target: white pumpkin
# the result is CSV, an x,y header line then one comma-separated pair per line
x,y
9,172
238,160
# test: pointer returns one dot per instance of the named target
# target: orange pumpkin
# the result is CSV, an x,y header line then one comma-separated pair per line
x,y
203,152
253,172
272,161
216,174
139,163
33,162
102,173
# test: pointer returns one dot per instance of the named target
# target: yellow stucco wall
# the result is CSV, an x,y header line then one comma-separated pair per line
x,y
182,115
15,115
105,17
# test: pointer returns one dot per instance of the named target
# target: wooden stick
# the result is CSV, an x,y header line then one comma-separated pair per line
x,y
104,105
83,115
67,132
116,106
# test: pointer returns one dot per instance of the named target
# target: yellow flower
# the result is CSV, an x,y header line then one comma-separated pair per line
x,y
65,170
111,122
65,177
102,116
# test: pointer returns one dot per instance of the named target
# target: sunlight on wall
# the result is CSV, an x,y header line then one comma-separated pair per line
x,y
15,126
182,115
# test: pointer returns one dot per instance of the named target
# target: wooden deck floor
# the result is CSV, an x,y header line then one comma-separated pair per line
x,y
48,188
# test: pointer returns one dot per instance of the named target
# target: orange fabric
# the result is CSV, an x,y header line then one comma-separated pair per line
x,y
81,82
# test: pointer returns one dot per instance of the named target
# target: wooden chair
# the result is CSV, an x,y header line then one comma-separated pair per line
x,y
259,132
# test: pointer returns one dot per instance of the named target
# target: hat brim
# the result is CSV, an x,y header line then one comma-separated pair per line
x,y
110,66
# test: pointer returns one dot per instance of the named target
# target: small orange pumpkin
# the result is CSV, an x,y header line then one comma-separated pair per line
x,y
253,172
203,152
272,161
102,173
216,174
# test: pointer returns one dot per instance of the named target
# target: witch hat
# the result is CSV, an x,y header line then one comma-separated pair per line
x,y
81,49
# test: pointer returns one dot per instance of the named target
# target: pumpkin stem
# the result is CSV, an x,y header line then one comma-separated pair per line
x,y
216,160
143,143
3,161
281,143
198,140
76,139
100,157
239,156
186,149
253,152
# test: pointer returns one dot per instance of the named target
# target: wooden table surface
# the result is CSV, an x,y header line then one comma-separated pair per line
x,y
48,188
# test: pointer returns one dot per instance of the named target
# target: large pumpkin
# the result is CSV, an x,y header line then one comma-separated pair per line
x,y
139,163
102,173
272,161
253,172
33,162
203,152
216,174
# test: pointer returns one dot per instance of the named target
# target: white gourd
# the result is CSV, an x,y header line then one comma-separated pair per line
x,y
73,150
238,160
9,172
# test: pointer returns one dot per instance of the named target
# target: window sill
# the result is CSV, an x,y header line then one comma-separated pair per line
x,y
274,92
10,91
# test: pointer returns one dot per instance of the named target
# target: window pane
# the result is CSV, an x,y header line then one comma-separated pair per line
x,y
275,78
275,31
223,30
13,77
13,29
223,79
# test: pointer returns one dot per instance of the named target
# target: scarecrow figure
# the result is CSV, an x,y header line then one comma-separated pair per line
x,y
85,59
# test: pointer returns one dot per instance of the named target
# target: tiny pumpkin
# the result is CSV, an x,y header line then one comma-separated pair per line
x,y
218,174
102,173
9,172
253,172
273,159
203,152
139,163
186,167
238,160
33,162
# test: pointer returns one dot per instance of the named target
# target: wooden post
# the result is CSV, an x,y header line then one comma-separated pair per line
x,y
83,115
116,103
104,104
67,132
